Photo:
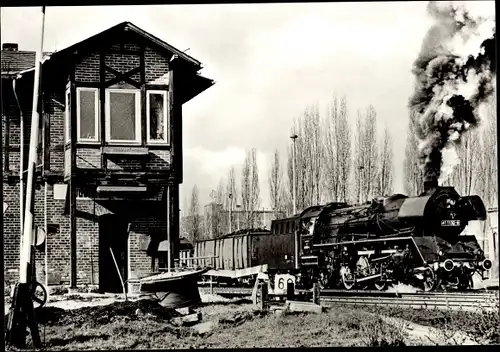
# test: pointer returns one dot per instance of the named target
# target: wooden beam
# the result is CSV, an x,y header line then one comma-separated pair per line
x,y
46,138
88,84
119,76
111,150
121,189
144,131
102,97
6,150
72,185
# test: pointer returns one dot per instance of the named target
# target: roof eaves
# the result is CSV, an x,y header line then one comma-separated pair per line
x,y
163,44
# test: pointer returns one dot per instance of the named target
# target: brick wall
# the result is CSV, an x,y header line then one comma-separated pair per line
x,y
58,244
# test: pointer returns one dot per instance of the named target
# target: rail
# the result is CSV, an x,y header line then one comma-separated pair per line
x,y
419,300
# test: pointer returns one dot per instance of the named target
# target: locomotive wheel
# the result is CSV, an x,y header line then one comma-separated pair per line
x,y
347,278
430,280
380,285
38,295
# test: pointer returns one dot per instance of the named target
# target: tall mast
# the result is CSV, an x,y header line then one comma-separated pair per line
x,y
32,158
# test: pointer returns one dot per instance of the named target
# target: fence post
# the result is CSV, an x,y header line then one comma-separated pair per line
x,y
316,293
290,291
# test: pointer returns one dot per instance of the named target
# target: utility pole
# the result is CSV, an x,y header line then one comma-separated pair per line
x,y
22,310
294,193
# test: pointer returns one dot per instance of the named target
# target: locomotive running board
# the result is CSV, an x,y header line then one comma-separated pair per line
x,y
320,245
236,274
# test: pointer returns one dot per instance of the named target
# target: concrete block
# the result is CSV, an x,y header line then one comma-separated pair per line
x,y
295,306
187,319
183,311
204,328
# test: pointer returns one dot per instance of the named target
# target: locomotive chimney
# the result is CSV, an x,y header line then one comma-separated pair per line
x,y
430,180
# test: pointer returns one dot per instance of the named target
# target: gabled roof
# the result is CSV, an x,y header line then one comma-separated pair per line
x,y
17,61
125,26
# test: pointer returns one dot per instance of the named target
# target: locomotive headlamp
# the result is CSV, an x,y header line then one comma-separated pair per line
x,y
448,265
487,264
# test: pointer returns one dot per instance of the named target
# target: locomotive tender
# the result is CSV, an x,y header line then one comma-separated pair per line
x,y
390,240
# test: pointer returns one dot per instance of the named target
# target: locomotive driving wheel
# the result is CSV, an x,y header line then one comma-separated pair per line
x,y
430,280
380,285
348,278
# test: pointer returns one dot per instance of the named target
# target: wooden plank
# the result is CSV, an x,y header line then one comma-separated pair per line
x,y
101,189
110,150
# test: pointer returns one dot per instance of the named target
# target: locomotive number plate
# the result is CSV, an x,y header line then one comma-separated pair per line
x,y
450,222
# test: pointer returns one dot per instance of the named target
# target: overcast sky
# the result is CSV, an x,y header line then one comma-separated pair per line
x,y
269,61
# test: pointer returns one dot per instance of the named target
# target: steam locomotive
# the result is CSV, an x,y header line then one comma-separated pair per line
x,y
416,241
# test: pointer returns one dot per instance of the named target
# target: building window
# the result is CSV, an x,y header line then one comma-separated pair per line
x,y
157,116
123,116
67,115
87,114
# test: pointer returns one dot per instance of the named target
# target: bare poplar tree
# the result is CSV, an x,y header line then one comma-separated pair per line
x,y
255,190
337,151
194,215
490,156
232,196
413,175
276,184
386,165
370,152
331,170
343,138
221,206
359,159
246,190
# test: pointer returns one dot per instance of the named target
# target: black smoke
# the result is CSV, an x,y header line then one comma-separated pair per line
x,y
442,113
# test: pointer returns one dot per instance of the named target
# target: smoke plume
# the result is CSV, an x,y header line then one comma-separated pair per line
x,y
451,84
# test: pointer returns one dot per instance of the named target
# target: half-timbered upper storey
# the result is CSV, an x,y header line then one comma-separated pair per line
x,y
112,108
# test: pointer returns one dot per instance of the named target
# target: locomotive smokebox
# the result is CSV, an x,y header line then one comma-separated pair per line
x,y
430,180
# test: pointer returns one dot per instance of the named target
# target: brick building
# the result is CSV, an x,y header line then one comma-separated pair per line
x,y
109,158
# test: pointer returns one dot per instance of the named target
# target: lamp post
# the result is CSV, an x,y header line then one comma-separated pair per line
x,y
238,216
293,137
296,237
230,209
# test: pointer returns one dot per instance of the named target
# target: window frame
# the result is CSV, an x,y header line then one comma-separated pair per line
x,y
97,114
166,121
138,125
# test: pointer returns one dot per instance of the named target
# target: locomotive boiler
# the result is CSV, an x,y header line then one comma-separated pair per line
x,y
395,239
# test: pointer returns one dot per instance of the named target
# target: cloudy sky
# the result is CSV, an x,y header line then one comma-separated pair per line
x,y
270,61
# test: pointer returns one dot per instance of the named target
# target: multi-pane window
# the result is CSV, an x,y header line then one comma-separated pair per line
x,y
157,116
123,122
87,114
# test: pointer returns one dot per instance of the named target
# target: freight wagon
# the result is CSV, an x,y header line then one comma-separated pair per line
x,y
239,257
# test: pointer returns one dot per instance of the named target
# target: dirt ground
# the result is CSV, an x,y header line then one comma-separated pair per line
x,y
86,322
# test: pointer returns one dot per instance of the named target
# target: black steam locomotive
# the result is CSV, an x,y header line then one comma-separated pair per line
x,y
397,239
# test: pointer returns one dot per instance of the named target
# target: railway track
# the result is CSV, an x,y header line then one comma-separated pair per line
x,y
420,300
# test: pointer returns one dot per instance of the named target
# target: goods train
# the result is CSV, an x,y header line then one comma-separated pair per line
x,y
397,239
